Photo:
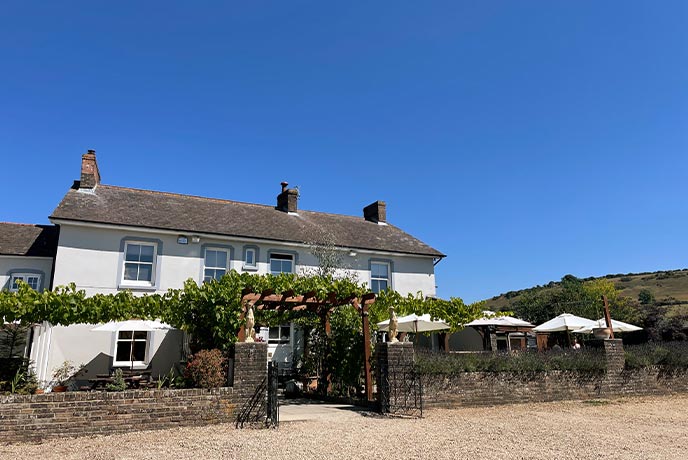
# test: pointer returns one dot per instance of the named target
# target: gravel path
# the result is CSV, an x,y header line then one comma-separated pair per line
x,y
637,428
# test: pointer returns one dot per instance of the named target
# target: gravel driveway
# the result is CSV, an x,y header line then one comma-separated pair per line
x,y
637,428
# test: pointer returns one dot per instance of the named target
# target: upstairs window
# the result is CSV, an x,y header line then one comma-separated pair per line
x,y
379,276
139,265
215,264
131,348
281,263
32,279
250,258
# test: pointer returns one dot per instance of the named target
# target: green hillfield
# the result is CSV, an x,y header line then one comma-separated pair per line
x,y
668,287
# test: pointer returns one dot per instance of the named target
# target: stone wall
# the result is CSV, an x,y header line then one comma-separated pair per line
x,y
490,388
56,415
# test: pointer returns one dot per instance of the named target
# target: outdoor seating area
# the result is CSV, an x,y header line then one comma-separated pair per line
x,y
132,378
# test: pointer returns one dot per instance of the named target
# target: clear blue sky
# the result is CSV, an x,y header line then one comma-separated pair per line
x,y
526,140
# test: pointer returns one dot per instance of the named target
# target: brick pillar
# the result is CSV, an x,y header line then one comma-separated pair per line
x,y
250,378
615,356
394,360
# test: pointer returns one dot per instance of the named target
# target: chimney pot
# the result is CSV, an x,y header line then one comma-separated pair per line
x,y
90,176
376,212
284,186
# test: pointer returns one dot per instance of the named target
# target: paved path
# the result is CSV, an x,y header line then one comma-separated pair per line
x,y
291,410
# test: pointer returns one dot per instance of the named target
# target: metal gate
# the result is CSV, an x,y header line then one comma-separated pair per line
x,y
272,416
402,392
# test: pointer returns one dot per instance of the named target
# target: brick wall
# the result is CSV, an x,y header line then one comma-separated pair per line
x,y
56,415
489,388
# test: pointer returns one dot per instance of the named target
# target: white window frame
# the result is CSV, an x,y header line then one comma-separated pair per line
x,y
24,276
218,267
282,256
133,339
389,275
280,330
135,283
246,263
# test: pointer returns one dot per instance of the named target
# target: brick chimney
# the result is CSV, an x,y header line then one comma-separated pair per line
x,y
90,176
287,201
376,212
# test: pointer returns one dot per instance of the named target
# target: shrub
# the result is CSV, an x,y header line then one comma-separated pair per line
x,y
666,355
207,369
118,383
589,360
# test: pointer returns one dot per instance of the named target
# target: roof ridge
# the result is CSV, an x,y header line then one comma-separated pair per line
x,y
23,224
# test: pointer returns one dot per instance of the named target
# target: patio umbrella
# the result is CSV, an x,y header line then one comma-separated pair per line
x,y
617,326
508,321
415,323
565,322
133,325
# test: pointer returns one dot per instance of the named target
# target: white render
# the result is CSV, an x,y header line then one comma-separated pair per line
x,y
16,264
91,258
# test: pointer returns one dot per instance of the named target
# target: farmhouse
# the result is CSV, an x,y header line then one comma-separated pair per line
x,y
106,239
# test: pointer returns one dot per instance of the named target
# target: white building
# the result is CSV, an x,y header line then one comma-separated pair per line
x,y
115,238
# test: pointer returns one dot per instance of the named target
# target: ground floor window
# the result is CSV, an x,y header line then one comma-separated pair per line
x,y
131,348
280,334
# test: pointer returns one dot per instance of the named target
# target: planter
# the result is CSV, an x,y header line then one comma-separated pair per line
x,y
39,391
601,332
59,389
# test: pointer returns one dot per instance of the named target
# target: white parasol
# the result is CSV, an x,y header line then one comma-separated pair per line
x,y
415,323
617,326
565,322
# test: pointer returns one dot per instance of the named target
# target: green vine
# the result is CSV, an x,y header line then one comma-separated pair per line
x,y
211,312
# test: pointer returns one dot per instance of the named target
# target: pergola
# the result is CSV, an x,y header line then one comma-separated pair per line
x,y
288,301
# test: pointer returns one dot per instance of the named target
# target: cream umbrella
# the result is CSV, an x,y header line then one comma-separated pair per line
x,y
565,322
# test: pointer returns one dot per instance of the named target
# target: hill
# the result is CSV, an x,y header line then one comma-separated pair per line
x,y
668,288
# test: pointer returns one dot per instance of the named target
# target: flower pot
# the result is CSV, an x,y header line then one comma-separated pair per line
x,y
38,391
601,332
59,389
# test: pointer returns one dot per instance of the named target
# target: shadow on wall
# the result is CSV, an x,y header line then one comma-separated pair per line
x,y
167,356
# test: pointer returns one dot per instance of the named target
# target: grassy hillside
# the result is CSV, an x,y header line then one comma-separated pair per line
x,y
668,287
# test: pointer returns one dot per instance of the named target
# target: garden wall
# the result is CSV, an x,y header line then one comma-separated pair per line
x,y
490,388
56,415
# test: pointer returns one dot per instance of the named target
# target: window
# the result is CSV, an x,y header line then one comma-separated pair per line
x,y
33,280
281,263
139,266
250,258
131,348
379,276
215,264
279,334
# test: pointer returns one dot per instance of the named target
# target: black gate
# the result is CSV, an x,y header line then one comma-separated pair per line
x,y
402,392
272,416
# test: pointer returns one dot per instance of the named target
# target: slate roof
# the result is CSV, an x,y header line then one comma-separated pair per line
x,y
108,204
28,240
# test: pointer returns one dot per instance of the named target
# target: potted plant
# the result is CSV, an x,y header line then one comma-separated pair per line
x,y
62,375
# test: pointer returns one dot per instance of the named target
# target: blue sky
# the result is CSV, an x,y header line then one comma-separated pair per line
x,y
526,140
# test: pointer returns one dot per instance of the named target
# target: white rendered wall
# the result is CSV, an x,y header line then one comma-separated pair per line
x,y
91,258
9,264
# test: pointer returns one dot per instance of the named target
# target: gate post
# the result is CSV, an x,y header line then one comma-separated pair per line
x,y
250,380
393,363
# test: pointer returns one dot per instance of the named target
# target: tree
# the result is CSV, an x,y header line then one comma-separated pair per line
x,y
646,297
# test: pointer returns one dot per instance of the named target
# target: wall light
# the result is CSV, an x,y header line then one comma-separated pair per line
x,y
182,239
195,239
352,253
